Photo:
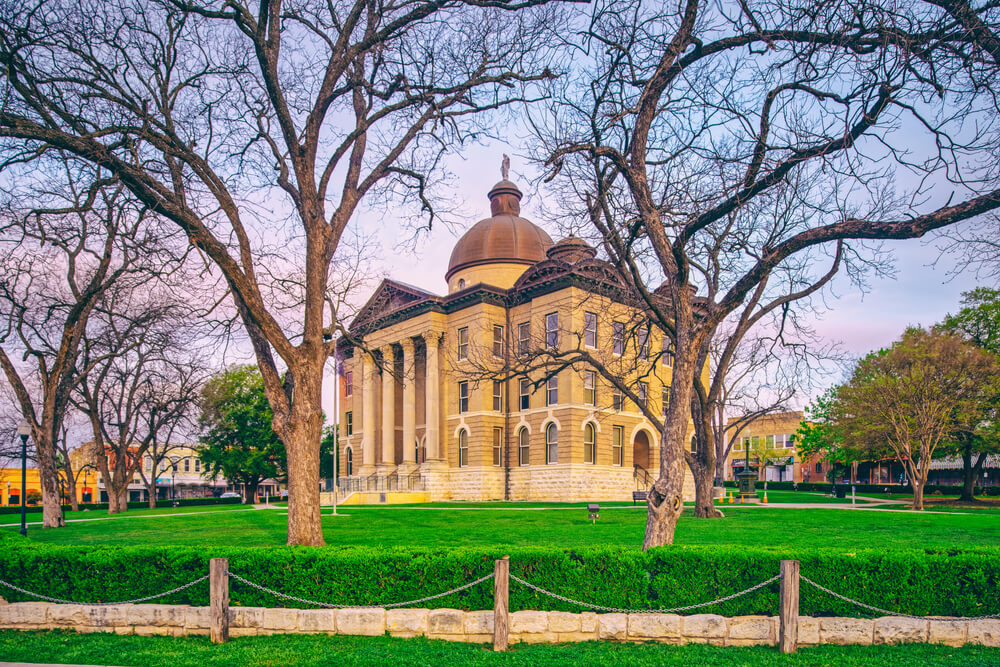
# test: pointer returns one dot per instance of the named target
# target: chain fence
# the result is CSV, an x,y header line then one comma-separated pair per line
x,y
329,605
104,604
643,611
893,613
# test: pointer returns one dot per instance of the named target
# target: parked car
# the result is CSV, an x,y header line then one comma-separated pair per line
x,y
230,494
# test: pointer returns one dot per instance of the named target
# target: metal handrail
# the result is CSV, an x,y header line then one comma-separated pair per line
x,y
643,480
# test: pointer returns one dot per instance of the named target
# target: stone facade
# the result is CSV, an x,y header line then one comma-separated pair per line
x,y
449,386
477,626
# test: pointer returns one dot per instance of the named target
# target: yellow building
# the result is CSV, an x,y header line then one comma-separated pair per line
x,y
10,485
430,412
776,433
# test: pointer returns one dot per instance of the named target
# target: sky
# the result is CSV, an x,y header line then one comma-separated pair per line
x,y
921,292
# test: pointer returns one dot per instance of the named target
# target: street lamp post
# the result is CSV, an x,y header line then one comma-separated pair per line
x,y
24,430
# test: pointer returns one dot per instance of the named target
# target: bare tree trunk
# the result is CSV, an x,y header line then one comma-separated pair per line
x,y
52,514
703,464
918,494
302,442
71,487
117,502
704,484
970,471
666,497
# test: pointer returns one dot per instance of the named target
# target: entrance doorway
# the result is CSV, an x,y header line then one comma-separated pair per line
x,y
640,450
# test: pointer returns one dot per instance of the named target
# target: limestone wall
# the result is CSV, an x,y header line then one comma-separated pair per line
x,y
477,626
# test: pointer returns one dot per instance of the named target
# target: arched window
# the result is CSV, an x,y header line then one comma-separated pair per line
x,y
522,447
350,461
551,443
463,448
589,444
461,283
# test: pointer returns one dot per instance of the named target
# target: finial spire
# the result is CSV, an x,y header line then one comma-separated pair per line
x,y
505,167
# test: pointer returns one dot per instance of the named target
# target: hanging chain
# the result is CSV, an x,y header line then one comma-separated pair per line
x,y
893,613
328,605
642,611
104,604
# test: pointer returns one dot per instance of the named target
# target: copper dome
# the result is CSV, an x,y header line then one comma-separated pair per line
x,y
505,237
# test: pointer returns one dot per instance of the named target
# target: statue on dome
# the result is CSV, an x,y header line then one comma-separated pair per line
x,y
505,167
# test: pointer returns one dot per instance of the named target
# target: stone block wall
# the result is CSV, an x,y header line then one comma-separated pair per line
x,y
477,626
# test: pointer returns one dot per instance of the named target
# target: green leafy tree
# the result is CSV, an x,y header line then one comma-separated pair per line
x,y
238,442
818,435
979,323
913,396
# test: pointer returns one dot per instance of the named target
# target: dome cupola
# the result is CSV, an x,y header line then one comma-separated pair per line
x,y
497,250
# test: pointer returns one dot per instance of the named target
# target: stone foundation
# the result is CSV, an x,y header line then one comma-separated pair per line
x,y
477,626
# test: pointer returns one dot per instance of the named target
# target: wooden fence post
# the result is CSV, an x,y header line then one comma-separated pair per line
x,y
788,638
218,585
501,589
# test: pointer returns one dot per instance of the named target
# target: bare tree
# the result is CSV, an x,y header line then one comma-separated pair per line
x,y
684,131
141,386
56,262
201,107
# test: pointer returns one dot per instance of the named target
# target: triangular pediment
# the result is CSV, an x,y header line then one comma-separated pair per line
x,y
389,297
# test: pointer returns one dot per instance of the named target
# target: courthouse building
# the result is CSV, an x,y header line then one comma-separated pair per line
x,y
447,405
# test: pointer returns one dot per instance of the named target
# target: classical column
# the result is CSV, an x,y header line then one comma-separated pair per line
x,y
388,407
432,395
367,415
409,404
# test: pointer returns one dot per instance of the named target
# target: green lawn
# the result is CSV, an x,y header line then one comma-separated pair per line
x,y
491,524
34,514
68,647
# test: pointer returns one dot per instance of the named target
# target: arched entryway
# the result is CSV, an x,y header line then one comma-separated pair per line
x,y
640,450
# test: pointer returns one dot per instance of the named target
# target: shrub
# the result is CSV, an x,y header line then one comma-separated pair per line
x,y
33,497
959,582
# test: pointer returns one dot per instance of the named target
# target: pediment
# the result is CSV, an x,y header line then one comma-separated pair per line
x,y
389,297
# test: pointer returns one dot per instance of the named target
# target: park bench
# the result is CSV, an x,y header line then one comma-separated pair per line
x,y
639,495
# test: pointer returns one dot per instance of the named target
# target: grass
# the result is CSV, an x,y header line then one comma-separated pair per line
x,y
35,513
67,647
567,525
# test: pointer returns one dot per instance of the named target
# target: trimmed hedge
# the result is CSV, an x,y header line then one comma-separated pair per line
x,y
951,583
138,505
827,487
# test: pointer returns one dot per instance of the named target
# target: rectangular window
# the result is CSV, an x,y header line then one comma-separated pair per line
x,y
497,340
666,400
552,330
149,463
590,329
524,394
617,438
642,393
187,465
349,423
617,400
524,338
552,390
463,343
668,351
789,440
642,343
590,387
819,467
497,446
463,396
498,396
617,338
349,383
769,441
197,465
